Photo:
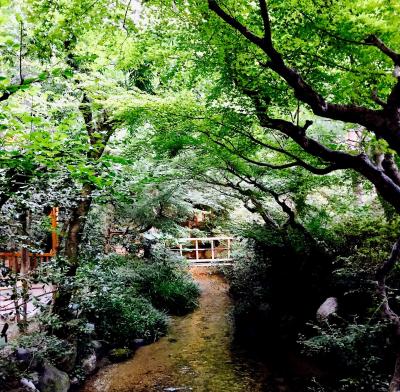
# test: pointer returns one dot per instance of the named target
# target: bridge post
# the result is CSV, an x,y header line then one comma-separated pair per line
x,y
197,249
212,250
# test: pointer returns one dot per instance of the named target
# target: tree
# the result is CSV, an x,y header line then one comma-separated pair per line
x,y
382,122
280,70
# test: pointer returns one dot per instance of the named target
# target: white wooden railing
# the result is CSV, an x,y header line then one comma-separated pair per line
x,y
205,249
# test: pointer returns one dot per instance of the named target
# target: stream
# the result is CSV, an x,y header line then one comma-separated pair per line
x,y
196,355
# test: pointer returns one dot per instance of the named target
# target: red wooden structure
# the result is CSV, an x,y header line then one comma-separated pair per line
x,y
13,260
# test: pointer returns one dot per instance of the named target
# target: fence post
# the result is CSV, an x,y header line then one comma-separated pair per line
x,y
54,235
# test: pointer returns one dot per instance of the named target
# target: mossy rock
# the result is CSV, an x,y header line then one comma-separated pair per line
x,y
53,380
120,354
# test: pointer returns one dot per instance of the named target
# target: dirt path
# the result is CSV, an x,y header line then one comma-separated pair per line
x,y
195,356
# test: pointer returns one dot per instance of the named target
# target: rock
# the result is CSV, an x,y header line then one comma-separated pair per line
x,y
139,342
23,354
120,354
89,328
28,384
74,381
328,308
53,380
172,340
97,347
26,357
89,364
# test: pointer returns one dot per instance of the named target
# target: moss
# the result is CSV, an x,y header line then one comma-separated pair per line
x,y
120,354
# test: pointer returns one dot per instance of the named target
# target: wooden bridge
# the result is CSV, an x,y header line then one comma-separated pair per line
x,y
205,251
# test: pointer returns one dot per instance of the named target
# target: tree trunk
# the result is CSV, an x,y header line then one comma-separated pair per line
x,y
395,382
26,231
75,228
73,239
384,270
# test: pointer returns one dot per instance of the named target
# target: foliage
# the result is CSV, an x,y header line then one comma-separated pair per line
x,y
276,287
166,283
127,298
40,347
356,353
121,319
9,371
45,346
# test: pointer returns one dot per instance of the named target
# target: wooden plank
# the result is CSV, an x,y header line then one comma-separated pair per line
x,y
205,238
208,264
201,260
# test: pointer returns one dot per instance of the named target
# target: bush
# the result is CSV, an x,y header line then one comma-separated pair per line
x,y
357,354
166,284
121,319
276,286
45,347
128,298
40,347
9,372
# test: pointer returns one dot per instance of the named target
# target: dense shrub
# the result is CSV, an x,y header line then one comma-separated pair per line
x,y
166,283
9,372
356,355
277,285
277,282
128,298
44,346
40,347
121,319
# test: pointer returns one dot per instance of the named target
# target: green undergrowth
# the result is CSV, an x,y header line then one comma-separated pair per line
x,y
116,300
278,286
128,298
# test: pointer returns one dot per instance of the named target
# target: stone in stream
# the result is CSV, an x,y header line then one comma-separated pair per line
x,y
139,342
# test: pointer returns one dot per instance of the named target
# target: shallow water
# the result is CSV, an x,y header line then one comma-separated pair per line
x,y
197,354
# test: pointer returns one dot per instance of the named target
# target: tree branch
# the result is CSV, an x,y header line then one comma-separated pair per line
x,y
373,120
213,5
375,41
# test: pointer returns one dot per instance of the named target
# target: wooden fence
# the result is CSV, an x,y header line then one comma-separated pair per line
x,y
14,260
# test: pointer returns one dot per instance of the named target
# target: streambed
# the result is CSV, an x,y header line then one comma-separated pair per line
x,y
197,355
